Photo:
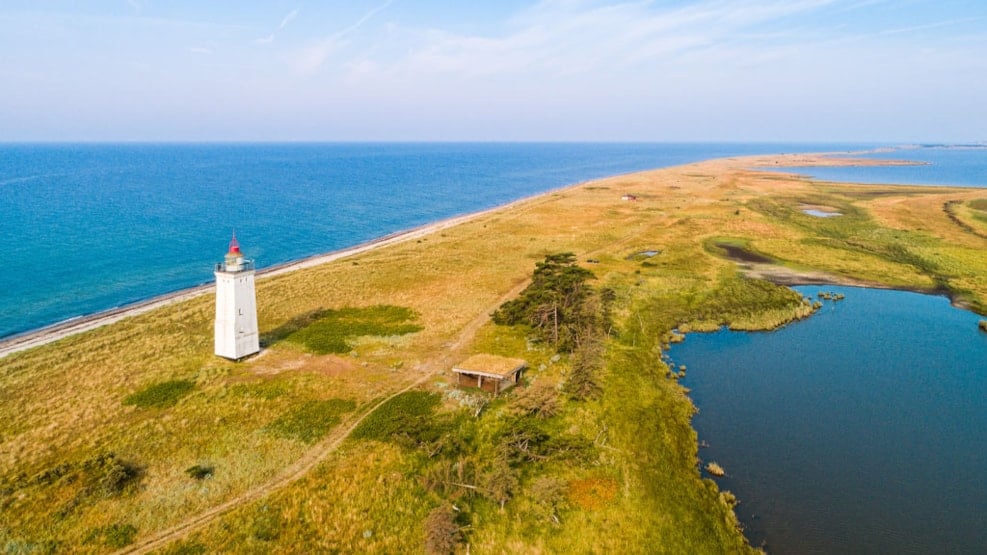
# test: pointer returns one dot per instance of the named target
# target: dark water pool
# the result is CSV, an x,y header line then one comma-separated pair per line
x,y
860,430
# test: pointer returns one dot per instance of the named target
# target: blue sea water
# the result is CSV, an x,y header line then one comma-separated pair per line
x,y
858,430
88,227
941,165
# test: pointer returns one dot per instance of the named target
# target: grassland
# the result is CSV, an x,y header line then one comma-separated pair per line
x,y
100,432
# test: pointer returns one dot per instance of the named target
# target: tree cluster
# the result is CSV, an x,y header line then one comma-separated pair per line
x,y
558,304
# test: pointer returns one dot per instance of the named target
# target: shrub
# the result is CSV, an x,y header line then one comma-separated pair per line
x,y
582,382
161,395
407,419
549,496
442,533
312,420
540,400
199,472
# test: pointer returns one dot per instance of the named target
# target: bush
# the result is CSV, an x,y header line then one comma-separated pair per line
x,y
312,420
982,325
407,419
539,400
442,533
582,382
199,472
161,395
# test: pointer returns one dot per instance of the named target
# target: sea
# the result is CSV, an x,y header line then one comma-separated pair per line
x,y
89,227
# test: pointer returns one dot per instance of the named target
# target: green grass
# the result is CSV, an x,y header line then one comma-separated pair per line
x,y
332,331
312,420
115,536
160,395
408,416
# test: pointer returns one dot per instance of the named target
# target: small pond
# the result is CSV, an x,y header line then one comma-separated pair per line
x,y
820,213
862,429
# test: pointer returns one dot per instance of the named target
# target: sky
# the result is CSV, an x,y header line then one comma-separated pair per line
x,y
510,70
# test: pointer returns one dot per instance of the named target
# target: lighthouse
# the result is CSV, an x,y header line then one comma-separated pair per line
x,y
236,306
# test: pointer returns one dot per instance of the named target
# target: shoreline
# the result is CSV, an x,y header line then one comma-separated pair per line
x,y
79,324
87,322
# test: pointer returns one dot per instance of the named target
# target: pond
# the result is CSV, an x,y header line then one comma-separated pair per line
x,y
859,430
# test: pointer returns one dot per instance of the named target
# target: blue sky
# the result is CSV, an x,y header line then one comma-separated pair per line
x,y
570,70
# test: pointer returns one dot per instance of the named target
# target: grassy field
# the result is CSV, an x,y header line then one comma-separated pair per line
x,y
112,436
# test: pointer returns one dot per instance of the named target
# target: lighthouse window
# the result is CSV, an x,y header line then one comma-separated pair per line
x,y
241,312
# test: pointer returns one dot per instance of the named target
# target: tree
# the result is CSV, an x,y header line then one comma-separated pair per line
x,y
554,302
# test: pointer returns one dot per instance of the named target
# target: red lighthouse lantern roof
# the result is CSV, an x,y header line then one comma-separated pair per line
x,y
234,245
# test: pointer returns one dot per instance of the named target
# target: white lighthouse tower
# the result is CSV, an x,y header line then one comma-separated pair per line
x,y
236,306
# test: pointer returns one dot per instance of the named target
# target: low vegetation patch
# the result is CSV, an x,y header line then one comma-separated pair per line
x,y
407,419
592,493
737,250
200,471
312,420
332,331
160,395
115,536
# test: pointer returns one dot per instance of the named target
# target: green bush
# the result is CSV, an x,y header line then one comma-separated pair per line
x,y
312,420
160,395
408,418
199,472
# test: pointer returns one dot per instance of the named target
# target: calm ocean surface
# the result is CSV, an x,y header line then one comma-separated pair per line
x,y
964,167
85,228
858,430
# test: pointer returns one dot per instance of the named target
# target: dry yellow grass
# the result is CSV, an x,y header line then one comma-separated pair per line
x,y
63,402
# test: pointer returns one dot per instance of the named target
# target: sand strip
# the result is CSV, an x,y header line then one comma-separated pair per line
x,y
61,330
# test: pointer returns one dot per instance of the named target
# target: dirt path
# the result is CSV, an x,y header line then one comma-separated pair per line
x,y
324,448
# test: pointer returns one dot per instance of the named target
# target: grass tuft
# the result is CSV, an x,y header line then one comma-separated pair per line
x,y
160,395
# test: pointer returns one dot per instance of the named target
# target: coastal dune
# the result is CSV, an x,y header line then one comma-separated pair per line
x,y
449,276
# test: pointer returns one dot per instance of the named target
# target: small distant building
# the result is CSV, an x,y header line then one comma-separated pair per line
x,y
236,306
628,197
491,373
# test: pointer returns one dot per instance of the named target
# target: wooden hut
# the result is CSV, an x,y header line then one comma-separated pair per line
x,y
491,373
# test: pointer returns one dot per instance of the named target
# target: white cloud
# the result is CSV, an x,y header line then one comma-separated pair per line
x,y
312,57
288,18
559,37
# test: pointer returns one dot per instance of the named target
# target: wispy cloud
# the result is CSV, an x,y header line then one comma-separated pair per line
x,y
200,50
312,57
288,18
566,37
935,25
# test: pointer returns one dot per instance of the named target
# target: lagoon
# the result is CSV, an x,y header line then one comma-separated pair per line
x,y
858,430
